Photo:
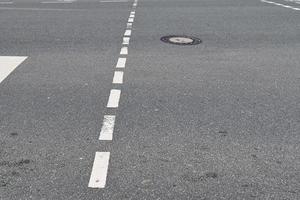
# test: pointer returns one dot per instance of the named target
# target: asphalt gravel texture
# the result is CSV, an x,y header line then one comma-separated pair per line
x,y
218,120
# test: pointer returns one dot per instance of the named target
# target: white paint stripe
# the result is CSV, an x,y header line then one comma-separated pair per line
x,y
279,4
126,40
6,2
124,51
55,2
107,127
129,25
59,1
127,33
131,20
114,97
8,64
132,15
132,12
99,171
135,4
114,1
121,63
118,77
40,9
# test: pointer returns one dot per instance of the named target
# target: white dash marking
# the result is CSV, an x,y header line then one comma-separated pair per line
x,y
132,12
126,40
107,127
121,63
99,171
114,1
127,33
124,51
279,4
9,64
39,9
131,20
114,98
132,15
56,2
6,2
129,25
118,77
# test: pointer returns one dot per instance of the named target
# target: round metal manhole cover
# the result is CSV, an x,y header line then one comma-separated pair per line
x,y
181,40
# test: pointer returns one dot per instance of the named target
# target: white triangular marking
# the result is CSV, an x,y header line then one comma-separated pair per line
x,y
8,64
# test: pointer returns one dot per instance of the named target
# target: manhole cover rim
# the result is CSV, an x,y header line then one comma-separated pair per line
x,y
167,39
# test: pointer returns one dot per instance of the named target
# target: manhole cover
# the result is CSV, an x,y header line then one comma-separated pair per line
x,y
181,40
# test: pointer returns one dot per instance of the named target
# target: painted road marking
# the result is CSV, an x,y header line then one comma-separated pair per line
x,y
127,33
6,2
9,64
124,51
40,9
59,1
132,15
279,4
101,161
55,2
131,20
118,77
121,63
114,98
107,127
132,12
99,171
129,25
126,40
114,1
293,1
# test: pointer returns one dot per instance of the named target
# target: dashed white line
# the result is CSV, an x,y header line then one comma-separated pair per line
x,y
279,4
129,25
118,77
127,33
56,2
131,20
295,8
293,1
114,98
124,51
132,15
126,40
101,161
6,2
107,127
39,9
114,1
99,170
121,63
8,64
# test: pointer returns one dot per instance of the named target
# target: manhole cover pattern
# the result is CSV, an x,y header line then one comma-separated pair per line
x,y
181,40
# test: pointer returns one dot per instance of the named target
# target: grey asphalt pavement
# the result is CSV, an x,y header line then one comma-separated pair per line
x,y
218,120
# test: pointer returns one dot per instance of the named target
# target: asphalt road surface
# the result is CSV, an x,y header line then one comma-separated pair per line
x,y
93,105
